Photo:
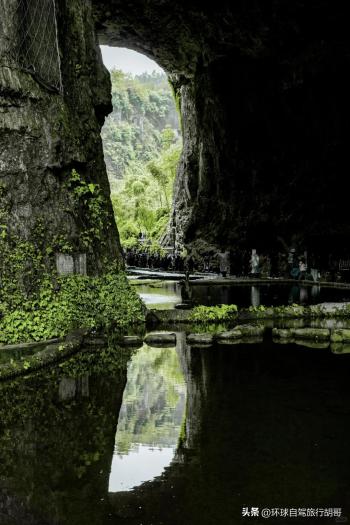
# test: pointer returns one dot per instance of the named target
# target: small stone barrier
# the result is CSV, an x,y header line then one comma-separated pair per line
x,y
338,339
28,346
165,339
239,334
319,311
51,354
340,349
339,335
57,350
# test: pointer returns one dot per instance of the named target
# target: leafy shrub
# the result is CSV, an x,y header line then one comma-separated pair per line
x,y
223,312
74,301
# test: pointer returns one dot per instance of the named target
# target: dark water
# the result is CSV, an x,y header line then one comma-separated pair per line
x,y
204,432
266,294
166,294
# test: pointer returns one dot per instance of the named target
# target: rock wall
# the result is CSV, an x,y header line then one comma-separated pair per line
x,y
263,92
50,145
264,164
265,111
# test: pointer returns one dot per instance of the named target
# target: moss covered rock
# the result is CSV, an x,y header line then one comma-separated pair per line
x,y
340,335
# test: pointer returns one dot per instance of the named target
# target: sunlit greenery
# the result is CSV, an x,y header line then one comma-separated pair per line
x,y
142,146
154,400
222,312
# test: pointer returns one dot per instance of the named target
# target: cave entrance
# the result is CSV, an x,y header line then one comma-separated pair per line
x,y
142,144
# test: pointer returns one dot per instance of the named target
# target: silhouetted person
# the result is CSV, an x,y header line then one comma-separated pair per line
x,y
224,262
254,264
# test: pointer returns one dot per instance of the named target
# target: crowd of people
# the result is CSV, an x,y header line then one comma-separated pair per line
x,y
165,261
225,262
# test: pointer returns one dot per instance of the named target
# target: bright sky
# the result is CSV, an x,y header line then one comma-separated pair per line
x,y
127,60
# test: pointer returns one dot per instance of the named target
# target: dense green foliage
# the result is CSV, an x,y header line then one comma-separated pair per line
x,y
74,301
36,303
143,106
144,198
222,312
142,147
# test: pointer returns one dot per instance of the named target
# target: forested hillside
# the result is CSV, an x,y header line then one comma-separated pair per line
x,y
142,145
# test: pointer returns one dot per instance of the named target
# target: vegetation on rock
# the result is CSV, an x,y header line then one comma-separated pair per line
x,y
73,301
222,312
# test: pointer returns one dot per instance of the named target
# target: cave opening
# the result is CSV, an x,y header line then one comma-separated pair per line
x,y
263,105
142,144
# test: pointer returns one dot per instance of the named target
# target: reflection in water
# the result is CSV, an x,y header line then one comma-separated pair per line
x,y
266,426
166,294
161,295
150,418
71,387
255,296
304,296
274,294
138,465
315,291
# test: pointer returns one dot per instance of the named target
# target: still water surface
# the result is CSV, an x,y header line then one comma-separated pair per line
x,y
163,295
267,294
166,294
176,436
150,418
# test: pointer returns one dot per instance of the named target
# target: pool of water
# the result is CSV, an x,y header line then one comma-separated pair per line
x,y
161,295
177,436
150,418
166,294
267,294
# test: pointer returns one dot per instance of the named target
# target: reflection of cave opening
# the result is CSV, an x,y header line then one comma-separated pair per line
x,y
142,145
150,419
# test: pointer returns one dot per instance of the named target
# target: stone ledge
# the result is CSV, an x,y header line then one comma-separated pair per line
x,y
28,346
315,334
50,355
323,310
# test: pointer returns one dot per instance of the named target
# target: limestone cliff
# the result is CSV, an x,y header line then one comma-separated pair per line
x,y
50,145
